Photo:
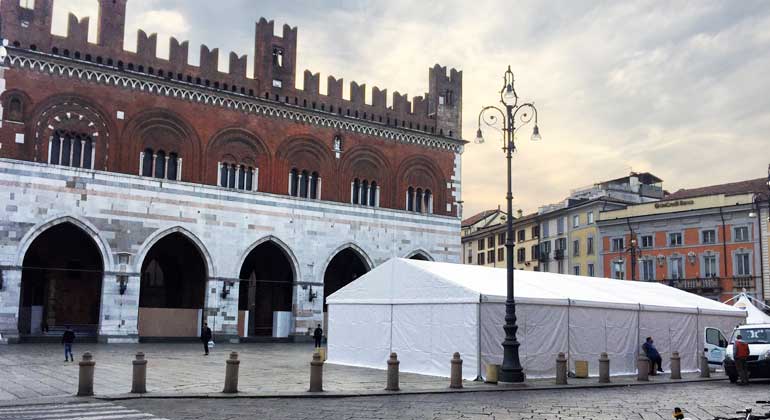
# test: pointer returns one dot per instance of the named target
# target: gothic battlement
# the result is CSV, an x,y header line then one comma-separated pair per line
x,y
438,111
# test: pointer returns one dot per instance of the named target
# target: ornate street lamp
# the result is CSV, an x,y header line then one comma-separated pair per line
x,y
492,116
635,255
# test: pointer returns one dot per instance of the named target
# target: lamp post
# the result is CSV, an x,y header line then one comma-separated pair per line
x,y
635,253
511,370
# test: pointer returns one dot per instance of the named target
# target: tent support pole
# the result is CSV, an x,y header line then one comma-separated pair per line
x,y
479,378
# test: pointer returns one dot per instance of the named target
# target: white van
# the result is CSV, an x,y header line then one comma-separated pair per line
x,y
758,338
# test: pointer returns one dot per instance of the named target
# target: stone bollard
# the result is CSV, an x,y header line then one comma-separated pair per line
x,y
86,376
231,374
493,374
643,368
561,369
676,366
392,373
316,373
704,367
139,380
456,378
604,369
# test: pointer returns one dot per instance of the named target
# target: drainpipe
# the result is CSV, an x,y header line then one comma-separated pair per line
x,y
724,243
757,198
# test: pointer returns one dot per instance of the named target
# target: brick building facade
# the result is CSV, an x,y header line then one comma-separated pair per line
x,y
259,196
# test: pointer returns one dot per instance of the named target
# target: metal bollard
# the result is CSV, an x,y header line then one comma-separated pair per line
x,y
643,368
86,376
561,369
704,367
139,379
604,369
316,373
392,373
676,366
456,378
231,374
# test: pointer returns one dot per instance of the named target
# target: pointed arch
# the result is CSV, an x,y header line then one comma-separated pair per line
x,y
278,242
162,233
356,248
85,225
417,253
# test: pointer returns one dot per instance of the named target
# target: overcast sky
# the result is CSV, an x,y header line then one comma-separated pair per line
x,y
677,88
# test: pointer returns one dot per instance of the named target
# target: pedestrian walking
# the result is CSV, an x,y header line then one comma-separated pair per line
x,y
206,337
67,339
652,353
741,355
318,335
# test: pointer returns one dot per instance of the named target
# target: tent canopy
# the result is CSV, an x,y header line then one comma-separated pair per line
x,y
754,315
402,281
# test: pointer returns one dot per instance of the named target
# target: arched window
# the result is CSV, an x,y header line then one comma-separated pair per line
x,y
314,186
249,179
242,177
294,182
364,193
410,199
373,195
428,205
223,175
172,166
303,184
160,164
231,176
147,159
71,149
15,109
418,201
356,191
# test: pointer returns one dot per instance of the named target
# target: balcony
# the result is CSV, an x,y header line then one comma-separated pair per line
x,y
558,254
743,282
710,284
543,257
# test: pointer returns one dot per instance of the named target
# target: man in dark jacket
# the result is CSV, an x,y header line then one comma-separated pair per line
x,y
318,335
652,353
206,337
67,339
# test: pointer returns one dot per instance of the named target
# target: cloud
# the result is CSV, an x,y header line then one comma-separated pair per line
x,y
676,88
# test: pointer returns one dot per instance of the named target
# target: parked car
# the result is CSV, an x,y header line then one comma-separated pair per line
x,y
758,338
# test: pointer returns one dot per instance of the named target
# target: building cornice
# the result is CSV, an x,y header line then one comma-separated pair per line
x,y
135,81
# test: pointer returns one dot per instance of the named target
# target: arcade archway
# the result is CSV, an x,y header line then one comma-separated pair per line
x,y
172,292
343,268
61,283
266,285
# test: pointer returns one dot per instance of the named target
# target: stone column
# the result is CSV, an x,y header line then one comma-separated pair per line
x,y
179,169
165,167
9,310
82,151
319,188
119,314
219,174
141,162
154,160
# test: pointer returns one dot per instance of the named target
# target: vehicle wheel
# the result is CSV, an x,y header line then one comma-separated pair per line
x,y
733,379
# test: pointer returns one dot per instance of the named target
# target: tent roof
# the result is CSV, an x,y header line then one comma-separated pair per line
x,y
402,281
754,314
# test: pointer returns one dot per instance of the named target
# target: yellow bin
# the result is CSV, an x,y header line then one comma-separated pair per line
x,y
492,371
581,368
322,352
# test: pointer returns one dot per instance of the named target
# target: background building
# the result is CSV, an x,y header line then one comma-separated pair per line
x,y
144,196
705,240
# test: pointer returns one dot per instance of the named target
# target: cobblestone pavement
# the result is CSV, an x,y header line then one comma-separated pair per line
x,y
34,371
700,401
39,370
74,411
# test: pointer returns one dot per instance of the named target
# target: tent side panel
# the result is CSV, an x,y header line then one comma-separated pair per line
x,y
359,335
542,335
726,324
425,336
671,332
593,331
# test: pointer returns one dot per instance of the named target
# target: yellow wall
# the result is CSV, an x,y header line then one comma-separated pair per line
x,y
581,233
670,206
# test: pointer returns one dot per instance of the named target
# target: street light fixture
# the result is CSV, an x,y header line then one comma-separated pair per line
x,y
511,370
635,255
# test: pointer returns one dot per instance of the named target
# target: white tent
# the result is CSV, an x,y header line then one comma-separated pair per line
x,y
425,311
754,315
